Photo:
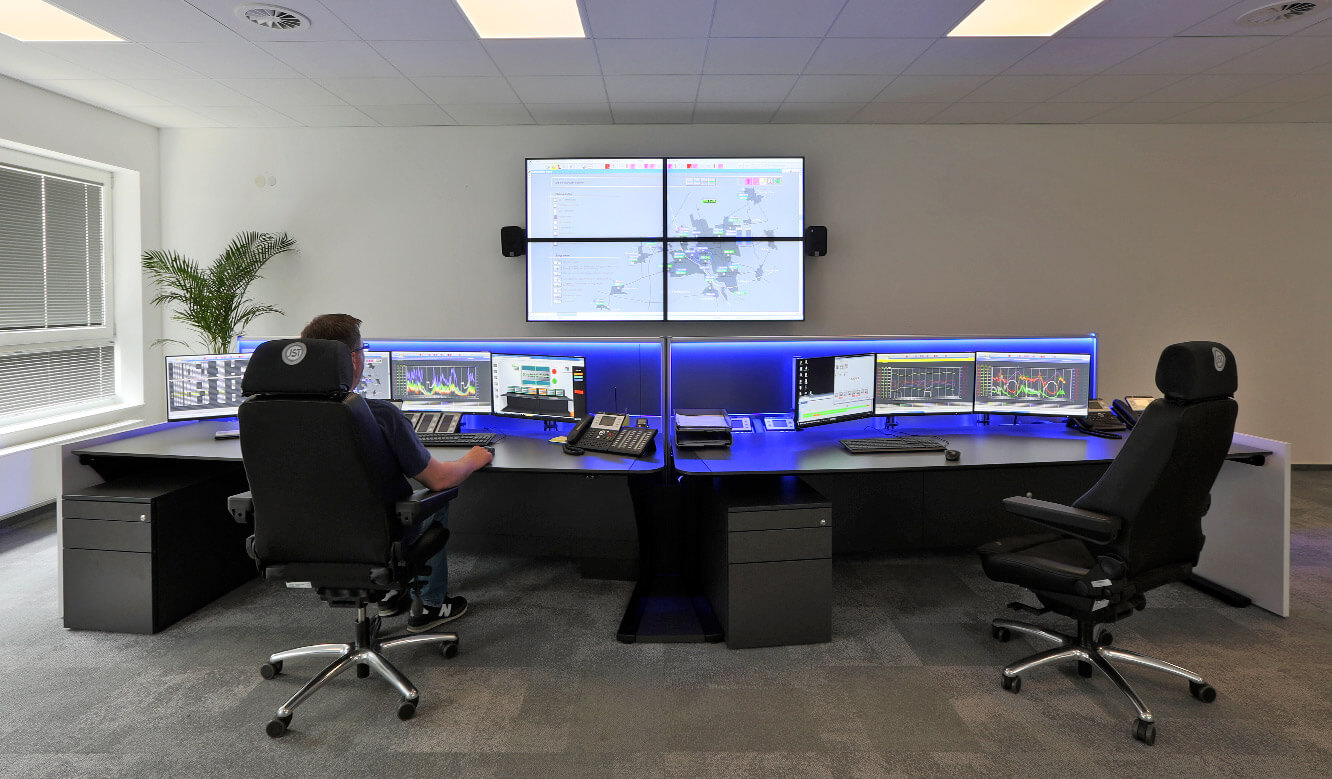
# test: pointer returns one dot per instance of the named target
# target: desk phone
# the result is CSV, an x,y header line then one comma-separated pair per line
x,y
606,433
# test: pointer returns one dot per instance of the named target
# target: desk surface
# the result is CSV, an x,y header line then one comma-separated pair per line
x,y
514,451
816,450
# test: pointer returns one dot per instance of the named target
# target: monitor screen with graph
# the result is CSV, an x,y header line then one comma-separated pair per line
x,y
442,381
924,383
1028,383
833,389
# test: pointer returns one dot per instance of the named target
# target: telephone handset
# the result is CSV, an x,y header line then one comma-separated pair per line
x,y
607,433
1130,408
1099,421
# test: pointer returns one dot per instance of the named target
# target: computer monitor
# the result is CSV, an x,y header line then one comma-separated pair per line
x,y
924,383
1026,383
738,281
204,386
377,377
833,389
591,281
604,197
735,197
539,387
442,381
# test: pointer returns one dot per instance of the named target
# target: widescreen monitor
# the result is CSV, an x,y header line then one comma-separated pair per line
x,y
454,381
1031,383
584,281
735,197
204,386
833,389
377,376
735,281
539,386
571,199
924,383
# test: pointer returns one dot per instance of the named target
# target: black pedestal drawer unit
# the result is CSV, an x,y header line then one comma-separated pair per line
x,y
767,560
143,551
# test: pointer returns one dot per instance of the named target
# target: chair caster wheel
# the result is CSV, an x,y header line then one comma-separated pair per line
x,y
362,670
1202,691
269,670
1105,639
1084,669
1012,683
1000,634
450,650
277,727
406,710
1144,731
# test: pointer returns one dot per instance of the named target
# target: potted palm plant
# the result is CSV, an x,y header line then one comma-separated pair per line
x,y
215,301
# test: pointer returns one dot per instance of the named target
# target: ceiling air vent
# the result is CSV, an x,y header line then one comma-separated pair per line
x,y
273,17
1276,12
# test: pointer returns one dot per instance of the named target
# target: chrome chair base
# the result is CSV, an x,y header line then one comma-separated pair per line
x,y
1093,651
365,655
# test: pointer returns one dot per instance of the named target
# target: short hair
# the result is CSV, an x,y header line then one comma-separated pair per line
x,y
335,327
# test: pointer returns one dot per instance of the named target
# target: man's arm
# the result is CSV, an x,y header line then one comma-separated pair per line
x,y
443,475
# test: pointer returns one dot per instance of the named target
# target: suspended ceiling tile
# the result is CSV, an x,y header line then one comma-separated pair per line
x,y
117,60
773,18
897,113
559,89
1114,89
191,92
278,92
248,116
652,113
1186,55
1079,56
816,113
233,59
467,89
649,18
472,114
734,113
408,115
652,89
571,113
900,18
332,59
1284,55
544,57
639,56
148,21
329,116
415,59
1021,89
972,56
324,25
743,56
402,20
744,89
977,113
837,89
1143,18
929,89
1207,88
375,91
1060,113
865,56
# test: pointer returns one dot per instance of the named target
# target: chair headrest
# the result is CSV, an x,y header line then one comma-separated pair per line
x,y
298,366
1196,370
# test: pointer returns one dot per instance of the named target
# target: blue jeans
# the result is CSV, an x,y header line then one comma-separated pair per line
x,y
436,585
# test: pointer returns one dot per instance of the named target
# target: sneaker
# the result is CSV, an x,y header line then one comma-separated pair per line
x,y
395,602
434,616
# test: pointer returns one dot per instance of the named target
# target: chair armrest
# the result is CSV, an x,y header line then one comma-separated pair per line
x,y
1088,525
423,503
241,507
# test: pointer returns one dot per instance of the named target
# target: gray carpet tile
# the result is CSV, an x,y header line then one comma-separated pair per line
x,y
909,685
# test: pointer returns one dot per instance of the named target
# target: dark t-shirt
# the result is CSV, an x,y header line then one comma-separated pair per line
x,y
407,449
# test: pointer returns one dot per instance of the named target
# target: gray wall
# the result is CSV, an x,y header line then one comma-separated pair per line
x,y
1145,235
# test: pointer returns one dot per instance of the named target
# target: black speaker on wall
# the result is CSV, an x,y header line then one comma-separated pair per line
x,y
816,240
513,241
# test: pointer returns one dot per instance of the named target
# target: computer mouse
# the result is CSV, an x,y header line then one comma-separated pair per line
x,y
952,455
490,449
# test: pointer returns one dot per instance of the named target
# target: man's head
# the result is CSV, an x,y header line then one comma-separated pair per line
x,y
340,327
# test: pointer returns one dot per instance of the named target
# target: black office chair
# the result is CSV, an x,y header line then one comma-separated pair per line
x,y
330,506
1138,528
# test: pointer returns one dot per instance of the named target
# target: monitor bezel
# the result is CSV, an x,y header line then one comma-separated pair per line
x,y
426,405
387,356
213,413
795,394
975,400
969,410
543,417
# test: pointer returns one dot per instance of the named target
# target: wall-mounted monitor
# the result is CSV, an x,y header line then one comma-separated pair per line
x,y
442,381
376,377
204,386
833,389
658,238
1032,383
924,383
539,386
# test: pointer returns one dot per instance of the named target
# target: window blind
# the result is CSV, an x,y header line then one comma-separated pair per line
x,y
51,254
52,278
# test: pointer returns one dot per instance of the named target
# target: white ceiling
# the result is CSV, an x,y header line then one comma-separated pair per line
x,y
195,63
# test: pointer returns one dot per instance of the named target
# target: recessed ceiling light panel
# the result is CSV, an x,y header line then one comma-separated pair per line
x,y
36,20
1275,13
273,17
1021,18
524,18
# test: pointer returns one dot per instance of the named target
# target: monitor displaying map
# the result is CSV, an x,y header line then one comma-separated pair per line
x,y
654,238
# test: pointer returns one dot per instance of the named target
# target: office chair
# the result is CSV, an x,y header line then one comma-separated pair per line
x,y
330,506
1138,528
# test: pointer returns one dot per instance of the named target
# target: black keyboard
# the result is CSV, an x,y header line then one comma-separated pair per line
x,y
905,443
456,439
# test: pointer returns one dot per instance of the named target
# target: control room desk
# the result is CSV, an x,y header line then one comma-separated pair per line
x,y
526,468
920,501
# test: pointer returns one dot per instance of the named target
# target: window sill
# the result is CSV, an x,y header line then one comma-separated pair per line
x,y
70,426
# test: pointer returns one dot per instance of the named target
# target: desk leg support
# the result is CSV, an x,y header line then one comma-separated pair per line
x,y
667,605
1223,594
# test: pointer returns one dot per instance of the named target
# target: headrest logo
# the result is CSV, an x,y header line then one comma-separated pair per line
x,y
1218,359
293,353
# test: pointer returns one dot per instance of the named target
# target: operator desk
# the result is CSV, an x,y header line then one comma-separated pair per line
x,y
920,501
526,465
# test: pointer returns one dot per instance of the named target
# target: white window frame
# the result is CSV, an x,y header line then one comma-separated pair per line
x,y
42,339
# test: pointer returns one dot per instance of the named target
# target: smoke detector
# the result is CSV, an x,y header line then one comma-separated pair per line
x,y
273,17
1275,13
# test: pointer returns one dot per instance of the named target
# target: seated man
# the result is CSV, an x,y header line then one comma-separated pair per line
x,y
415,462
